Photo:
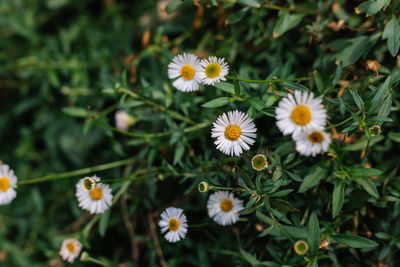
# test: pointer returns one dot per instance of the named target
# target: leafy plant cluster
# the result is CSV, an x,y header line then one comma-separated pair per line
x,y
68,66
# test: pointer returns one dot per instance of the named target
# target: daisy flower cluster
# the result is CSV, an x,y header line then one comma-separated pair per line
x,y
189,71
222,207
304,117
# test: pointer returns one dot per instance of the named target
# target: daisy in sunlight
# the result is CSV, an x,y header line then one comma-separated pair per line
x,y
213,70
8,183
223,207
96,200
70,249
312,142
300,111
174,221
185,68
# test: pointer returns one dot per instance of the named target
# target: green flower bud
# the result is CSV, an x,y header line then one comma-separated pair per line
x,y
301,247
203,187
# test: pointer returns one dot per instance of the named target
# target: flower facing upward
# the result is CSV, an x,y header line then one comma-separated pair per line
x,y
223,207
213,70
70,249
8,183
234,132
259,162
174,221
312,142
299,112
97,200
186,69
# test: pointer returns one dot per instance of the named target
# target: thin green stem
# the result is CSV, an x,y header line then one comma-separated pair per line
x,y
57,176
200,225
281,228
343,122
295,9
268,81
172,113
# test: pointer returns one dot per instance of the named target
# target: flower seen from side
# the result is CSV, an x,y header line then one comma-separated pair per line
x,y
312,142
234,131
70,249
8,184
223,207
174,221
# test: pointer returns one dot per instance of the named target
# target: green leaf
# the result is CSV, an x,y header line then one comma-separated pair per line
x,y
227,87
313,233
76,112
104,222
394,136
256,103
217,102
392,34
179,151
249,258
362,143
317,173
173,5
286,22
384,111
251,3
295,86
379,95
337,198
266,231
237,16
338,73
318,81
369,186
354,241
372,7
356,48
365,172
357,99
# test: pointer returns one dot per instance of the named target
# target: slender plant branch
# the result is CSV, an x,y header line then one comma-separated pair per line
x,y
268,81
57,176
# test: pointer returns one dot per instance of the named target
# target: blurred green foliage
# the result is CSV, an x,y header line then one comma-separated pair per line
x,y
59,57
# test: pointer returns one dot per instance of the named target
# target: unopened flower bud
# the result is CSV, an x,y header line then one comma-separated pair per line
x,y
301,247
203,187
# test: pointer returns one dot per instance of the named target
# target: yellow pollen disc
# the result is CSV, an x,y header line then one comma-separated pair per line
x,y
187,72
226,205
71,247
301,115
4,184
173,224
233,132
316,137
96,194
213,70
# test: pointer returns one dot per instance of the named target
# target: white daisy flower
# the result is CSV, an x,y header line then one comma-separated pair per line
x,y
259,162
123,120
95,201
300,112
223,207
186,68
70,249
234,132
312,142
174,220
8,183
213,70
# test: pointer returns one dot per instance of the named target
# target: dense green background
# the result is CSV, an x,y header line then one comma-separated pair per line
x,y
59,57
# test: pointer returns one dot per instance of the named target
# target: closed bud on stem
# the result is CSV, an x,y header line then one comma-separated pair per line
x,y
375,130
84,256
301,247
203,187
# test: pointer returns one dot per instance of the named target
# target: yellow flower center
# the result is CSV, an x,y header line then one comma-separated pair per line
x,y
301,115
71,247
226,205
213,70
259,162
96,194
233,132
187,72
316,137
4,184
173,224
